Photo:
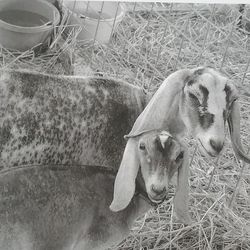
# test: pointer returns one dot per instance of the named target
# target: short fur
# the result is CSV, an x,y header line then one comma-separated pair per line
x,y
62,207
47,119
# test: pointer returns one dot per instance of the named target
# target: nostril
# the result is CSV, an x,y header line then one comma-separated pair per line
x,y
216,146
158,190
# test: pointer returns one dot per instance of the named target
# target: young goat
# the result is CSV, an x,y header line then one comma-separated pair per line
x,y
198,101
67,207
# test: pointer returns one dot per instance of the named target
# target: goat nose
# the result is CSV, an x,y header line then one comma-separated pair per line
x,y
216,146
158,190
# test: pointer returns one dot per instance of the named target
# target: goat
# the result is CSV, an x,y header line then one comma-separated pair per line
x,y
67,207
196,101
47,119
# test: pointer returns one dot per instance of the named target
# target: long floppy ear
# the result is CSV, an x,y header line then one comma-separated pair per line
x,y
124,187
181,198
234,129
156,113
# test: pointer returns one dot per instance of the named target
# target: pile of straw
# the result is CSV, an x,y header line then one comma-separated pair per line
x,y
151,42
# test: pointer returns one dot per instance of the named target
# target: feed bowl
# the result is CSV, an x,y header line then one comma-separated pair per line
x,y
24,24
97,19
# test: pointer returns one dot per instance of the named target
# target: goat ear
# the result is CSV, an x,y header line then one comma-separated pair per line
x,y
234,128
159,108
181,198
124,187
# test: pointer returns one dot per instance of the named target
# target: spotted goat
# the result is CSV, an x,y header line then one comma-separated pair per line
x,y
46,119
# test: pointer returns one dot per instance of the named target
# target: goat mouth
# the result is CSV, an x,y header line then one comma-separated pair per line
x,y
207,152
157,200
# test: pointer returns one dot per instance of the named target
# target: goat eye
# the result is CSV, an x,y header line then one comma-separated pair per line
x,y
194,98
142,146
234,100
180,156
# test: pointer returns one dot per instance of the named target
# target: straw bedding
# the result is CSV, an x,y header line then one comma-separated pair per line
x,y
152,41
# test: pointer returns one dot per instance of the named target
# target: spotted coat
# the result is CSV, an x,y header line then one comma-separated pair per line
x,y
64,120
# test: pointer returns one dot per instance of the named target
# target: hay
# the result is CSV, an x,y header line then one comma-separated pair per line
x,y
152,41
149,44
